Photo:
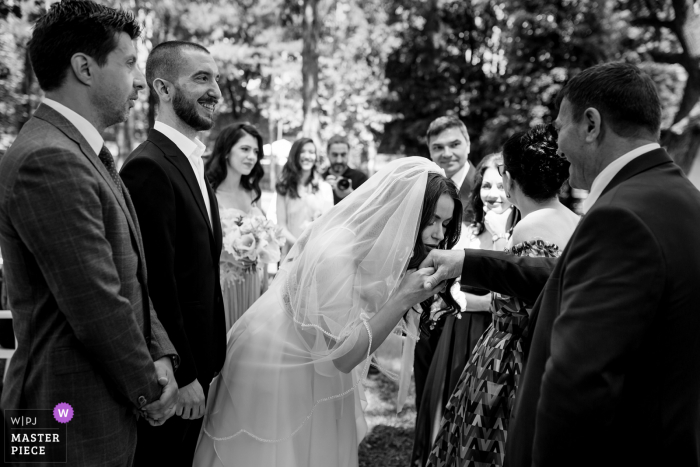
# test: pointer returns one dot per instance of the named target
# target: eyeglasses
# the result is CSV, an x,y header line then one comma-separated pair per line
x,y
501,169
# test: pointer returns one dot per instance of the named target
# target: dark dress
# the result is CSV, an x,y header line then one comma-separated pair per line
x,y
474,427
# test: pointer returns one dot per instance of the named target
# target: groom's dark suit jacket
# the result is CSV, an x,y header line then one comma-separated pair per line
x,y
182,251
613,369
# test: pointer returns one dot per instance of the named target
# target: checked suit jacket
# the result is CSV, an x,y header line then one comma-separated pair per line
x,y
612,376
77,281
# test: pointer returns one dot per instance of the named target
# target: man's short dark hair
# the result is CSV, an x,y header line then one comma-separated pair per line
x,y
441,124
625,96
75,26
337,139
164,59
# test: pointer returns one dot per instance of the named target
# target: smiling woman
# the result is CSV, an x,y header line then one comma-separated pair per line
x,y
234,171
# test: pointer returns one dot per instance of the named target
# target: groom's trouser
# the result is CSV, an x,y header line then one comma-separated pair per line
x,y
171,444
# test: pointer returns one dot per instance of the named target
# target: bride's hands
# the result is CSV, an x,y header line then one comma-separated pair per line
x,y
412,290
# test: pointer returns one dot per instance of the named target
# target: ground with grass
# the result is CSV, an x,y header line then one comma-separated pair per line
x,y
390,438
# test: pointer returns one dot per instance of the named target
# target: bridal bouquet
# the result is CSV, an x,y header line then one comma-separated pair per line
x,y
249,241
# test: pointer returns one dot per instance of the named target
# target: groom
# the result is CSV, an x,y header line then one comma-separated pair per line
x,y
613,370
181,230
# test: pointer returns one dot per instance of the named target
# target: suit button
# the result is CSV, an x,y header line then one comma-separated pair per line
x,y
142,401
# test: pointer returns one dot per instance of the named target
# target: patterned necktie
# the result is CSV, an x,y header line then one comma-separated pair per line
x,y
108,161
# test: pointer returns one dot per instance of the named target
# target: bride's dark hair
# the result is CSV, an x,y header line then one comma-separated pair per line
x,y
437,185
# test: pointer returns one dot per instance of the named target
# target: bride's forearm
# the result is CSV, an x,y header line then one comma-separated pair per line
x,y
381,324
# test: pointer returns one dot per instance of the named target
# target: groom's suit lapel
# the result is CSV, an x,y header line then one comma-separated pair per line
x,y
179,160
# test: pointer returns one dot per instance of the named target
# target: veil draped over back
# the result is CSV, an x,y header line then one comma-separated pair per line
x,y
342,270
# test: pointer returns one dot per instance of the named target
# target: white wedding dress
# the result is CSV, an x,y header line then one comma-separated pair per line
x,y
280,400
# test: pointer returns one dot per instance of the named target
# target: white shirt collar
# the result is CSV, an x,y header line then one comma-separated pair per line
x,y
189,147
89,132
461,175
609,172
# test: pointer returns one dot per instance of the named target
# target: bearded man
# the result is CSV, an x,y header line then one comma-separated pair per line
x,y
181,230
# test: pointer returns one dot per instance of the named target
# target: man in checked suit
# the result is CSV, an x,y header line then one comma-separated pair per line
x,y
179,219
613,367
73,255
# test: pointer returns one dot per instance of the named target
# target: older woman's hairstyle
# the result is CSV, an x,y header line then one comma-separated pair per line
x,y
75,26
291,172
532,161
216,167
436,186
492,161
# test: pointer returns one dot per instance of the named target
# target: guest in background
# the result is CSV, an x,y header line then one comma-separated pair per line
x,y
339,175
474,428
461,335
234,171
302,195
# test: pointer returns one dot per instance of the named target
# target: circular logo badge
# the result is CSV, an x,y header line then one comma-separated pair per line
x,y
63,412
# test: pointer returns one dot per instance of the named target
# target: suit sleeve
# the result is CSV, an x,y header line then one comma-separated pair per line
x,y
523,277
154,200
57,211
611,289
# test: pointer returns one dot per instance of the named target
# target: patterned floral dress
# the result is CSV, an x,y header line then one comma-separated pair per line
x,y
474,427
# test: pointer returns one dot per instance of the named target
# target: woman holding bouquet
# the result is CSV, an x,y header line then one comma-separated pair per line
x,y
302,195
234,171
290,392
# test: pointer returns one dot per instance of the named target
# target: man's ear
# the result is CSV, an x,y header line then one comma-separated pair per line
x,y
164,89
83,67
594,124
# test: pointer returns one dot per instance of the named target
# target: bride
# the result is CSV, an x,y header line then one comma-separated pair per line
x,y
290,392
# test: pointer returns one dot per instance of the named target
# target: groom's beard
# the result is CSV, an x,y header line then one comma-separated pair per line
x,y
188,112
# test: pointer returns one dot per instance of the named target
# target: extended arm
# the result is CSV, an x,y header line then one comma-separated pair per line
x,y
519,276
383,322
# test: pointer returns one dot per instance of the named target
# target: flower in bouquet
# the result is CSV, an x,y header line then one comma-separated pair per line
x,y
251,240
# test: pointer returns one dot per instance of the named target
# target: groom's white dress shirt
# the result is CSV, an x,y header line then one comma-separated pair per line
x,y
193,149
608,173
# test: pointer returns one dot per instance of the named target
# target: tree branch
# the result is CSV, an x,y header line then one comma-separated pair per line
x,y
652,21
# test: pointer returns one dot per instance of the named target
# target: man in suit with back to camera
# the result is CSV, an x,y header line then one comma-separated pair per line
x,y
86,332
341,177
182,236
613,370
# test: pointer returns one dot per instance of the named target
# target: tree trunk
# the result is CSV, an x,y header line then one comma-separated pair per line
x,y
309,70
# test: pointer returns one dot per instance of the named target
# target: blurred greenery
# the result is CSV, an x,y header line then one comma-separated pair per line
x,y
379,71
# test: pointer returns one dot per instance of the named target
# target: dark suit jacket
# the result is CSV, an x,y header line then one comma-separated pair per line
x,y
613,370
182,252
465,192
76,273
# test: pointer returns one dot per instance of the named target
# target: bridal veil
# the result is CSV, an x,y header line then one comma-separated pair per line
x,y
279,384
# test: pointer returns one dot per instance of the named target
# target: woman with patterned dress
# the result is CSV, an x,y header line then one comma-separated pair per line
x,y
460,336
234,171
474,427
302,195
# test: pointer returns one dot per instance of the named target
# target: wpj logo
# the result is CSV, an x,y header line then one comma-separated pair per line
x,y
37,435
